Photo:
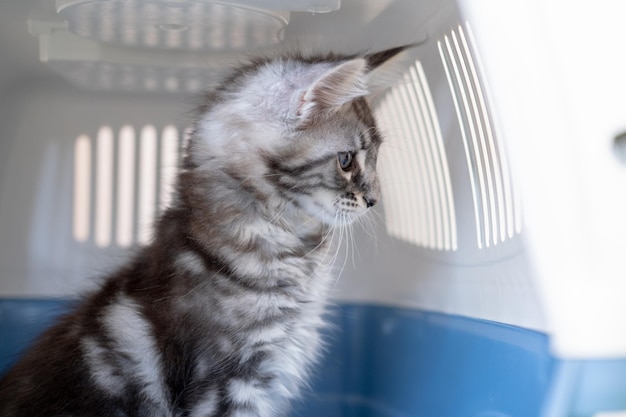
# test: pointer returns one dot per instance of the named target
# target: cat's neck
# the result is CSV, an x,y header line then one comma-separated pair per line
x,y
239,224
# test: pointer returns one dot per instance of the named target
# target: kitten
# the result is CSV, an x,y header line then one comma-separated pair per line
x,y
220,314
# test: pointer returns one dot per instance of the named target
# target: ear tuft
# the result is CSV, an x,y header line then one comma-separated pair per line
x,y
385,68
334,88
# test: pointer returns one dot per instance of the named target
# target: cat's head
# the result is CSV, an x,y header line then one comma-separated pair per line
x,y
297,131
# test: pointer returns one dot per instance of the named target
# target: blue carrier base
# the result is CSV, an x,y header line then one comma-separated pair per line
x,y
395,362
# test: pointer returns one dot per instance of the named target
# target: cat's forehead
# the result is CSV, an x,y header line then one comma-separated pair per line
x,y
358,124
351,129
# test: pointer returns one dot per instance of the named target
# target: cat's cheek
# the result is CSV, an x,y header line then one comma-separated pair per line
x,y
319,207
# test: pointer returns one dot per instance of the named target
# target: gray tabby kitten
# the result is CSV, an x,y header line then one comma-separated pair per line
x,y
220,314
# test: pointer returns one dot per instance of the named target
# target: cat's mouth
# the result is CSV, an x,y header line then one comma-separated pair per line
x,y
343,212
348,208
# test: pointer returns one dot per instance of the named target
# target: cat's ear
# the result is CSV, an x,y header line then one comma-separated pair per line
x,y
334,88
385,68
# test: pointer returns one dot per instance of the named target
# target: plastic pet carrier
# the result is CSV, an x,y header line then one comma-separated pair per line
x,y
491,280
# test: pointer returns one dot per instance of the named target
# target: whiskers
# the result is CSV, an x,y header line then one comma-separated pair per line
x,y
341,239
370,223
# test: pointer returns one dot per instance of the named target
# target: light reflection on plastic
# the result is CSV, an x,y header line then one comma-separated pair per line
x,y
132,180
146,209
126,186
82,188
129,36
424,139
107,24
104,186
487,142
439,157
238,32
169,162
151,36
457,109
171,83
497,206
417,173
478,148
513,201
389,184
417,158
475,164
401,166
420,207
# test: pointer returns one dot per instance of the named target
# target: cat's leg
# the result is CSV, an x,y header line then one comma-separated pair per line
x,y
124,362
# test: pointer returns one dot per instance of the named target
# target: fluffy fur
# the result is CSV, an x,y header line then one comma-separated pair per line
x,y
220,314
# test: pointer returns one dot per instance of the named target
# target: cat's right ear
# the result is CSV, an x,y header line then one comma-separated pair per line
x,y
337,86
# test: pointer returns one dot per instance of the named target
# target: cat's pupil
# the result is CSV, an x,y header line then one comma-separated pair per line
x,y
345,160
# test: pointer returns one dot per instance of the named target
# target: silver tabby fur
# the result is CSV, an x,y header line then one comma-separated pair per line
x,y
220,314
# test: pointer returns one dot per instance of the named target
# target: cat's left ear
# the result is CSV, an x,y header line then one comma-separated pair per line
x,y
347,81
385,68
331,90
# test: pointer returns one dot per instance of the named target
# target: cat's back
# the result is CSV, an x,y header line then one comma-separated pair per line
x,y
79,367
52,376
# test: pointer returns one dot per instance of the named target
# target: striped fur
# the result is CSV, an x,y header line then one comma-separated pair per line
x,y
220,314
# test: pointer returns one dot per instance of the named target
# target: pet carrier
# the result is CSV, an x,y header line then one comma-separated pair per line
x,y
490,283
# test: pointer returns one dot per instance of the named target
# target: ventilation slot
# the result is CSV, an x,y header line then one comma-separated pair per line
x,y
496,205
186,25
419,204
116,199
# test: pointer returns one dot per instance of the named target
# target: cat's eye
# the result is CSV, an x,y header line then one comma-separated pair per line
x,y
345,160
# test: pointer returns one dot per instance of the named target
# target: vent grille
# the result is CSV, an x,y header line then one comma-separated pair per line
x,y
116,199
496,204
419,203
186,25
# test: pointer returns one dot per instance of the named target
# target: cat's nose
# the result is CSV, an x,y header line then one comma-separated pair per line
x,y
369,201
